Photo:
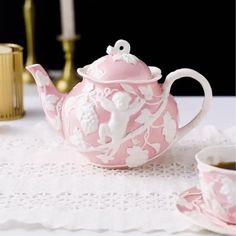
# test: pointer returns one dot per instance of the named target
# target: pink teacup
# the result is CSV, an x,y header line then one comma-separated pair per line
x,y
218,185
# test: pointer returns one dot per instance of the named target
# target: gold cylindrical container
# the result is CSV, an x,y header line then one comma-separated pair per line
x,y
11,87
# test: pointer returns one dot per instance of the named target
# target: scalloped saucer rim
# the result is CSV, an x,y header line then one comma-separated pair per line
x,y
191,206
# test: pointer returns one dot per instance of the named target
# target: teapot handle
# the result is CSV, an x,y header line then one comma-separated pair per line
x,y
175,75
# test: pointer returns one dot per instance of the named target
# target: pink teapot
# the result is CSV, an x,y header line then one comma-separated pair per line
x,y
118,116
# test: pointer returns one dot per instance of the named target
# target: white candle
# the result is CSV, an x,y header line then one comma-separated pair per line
x,y
67,18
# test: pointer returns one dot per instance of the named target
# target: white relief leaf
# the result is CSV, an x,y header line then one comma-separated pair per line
x,y
128,88
156,146
88,87
109,50
144,116
129,58
49,101
136,156
135,141
147,92
94,72
182,202
105,158
169,129
228,189
93,69
42,80
216,206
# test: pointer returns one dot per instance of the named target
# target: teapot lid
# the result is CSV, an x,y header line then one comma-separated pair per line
x,y
120,66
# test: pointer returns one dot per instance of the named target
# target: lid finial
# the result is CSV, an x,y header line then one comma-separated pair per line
x,y
121,47
121,52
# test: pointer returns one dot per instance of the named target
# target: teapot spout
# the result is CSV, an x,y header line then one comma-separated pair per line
x,y
51,98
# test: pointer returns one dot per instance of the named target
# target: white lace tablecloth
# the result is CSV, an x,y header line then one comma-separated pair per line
x,y
44,181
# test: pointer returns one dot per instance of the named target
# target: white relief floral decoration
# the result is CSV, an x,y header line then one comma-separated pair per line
x,y
129,58
93,69
169,129
128,88
228,189
49,101
99,94
42,80
136,156
88,87
147,92
184,203
105,158
86,114
144,117
107,91
155,146
77,139
70,104
210,195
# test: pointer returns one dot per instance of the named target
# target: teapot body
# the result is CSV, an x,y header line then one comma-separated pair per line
x,y
118,116
119,124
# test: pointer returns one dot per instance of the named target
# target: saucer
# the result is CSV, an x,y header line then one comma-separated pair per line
x,y
191,205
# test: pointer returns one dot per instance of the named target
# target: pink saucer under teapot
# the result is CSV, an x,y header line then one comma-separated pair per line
x,y
119,115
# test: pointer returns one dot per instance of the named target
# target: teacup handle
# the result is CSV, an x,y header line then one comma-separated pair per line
x,y
175,75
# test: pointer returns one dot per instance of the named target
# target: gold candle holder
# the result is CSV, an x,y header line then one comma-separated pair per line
x,y
11,91
29,28
69,76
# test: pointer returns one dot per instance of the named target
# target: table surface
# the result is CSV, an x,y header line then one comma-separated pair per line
x,y
222,115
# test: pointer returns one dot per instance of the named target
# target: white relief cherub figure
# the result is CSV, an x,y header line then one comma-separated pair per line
x,y
121,110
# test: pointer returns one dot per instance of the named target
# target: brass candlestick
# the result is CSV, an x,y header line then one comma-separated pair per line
x,y
69,76
28,10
